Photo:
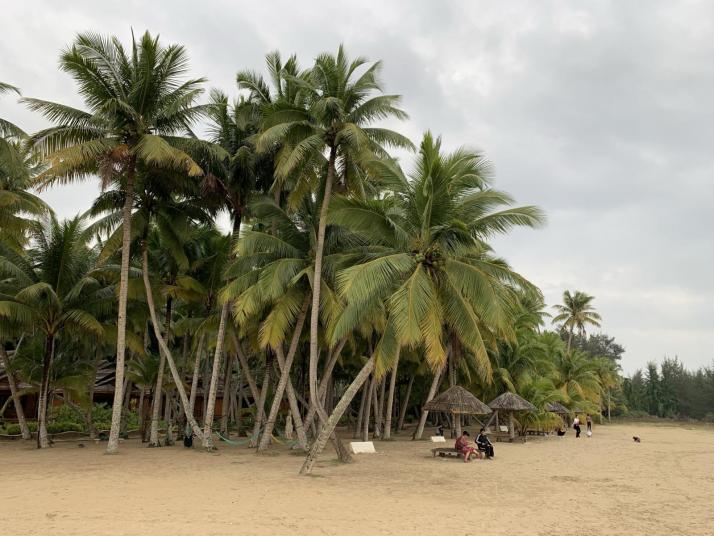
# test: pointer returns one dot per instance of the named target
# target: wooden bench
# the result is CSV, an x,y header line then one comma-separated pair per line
x,y
443,452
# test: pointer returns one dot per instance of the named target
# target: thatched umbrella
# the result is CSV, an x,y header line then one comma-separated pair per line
x,y
510,402
557,408
457,401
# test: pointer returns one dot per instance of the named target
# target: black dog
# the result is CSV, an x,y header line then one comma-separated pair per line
x,y
636,439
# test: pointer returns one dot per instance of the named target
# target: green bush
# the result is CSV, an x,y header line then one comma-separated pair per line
x,y
65,418
14,429
57,427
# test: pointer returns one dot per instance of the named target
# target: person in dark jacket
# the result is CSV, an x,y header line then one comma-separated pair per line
x,y
484,444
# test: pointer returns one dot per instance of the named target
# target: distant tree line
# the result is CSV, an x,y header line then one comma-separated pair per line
x,y
670,390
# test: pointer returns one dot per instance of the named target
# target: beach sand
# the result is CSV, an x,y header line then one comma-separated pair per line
x,y
604,485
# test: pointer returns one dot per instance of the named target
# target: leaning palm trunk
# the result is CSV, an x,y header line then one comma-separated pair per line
x,y
328,428
390,400
217,357
42,437
260,408
5,361
243,360
156,402
405,405
284,378
113,443
165,349
194,379
432,393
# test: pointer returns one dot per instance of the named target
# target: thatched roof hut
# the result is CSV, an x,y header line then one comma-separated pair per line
x,y
557,408
457,400
511,402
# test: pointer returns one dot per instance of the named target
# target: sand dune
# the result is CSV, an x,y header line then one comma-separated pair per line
x,y
603,485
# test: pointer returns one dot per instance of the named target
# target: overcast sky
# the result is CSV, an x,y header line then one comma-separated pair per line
x,y
601,113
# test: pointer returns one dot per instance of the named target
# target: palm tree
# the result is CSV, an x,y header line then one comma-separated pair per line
x,y
228,185
19,208
575,313
137,102
56,294
272,282
167,208
8,130
577,378
429,263
335,117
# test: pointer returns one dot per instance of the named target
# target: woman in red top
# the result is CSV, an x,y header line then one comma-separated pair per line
x,y
466,450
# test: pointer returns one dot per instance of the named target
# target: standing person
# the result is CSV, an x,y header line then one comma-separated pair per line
x,y
589,423
484,444
576,426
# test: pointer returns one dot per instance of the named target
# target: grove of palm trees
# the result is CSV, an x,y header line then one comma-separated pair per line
x,y
276,271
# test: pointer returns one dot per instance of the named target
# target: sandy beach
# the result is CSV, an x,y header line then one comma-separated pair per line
x,y
603,485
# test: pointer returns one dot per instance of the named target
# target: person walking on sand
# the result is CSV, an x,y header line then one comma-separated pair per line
x,y
589,423
576,426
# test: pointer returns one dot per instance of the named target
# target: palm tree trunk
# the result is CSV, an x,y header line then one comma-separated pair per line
x,y
405,405
113,443
42,437
239,403
5,361
141,408
168,418
570,338
89,420
165,349
432,392
328,428
327,374
367,410
194,379
125,407
379,407
284,378
316,286
243,359
390,399
217,357
360,413
260,405
156,402
226,406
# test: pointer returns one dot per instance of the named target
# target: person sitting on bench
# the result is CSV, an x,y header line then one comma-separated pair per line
x,y
484,444
463,447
